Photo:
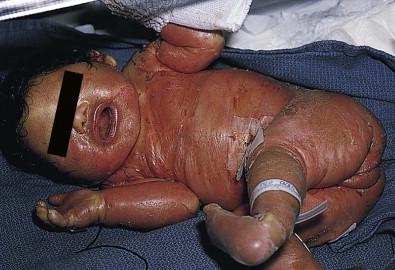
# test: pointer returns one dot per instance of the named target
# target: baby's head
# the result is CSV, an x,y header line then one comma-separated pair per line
x,y
106,122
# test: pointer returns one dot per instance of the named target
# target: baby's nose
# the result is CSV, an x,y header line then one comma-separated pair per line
x,y
81,117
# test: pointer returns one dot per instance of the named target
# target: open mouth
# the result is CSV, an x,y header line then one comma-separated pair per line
x,y
105,122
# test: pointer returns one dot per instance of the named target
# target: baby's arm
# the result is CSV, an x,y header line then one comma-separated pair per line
x,y
146,204
180,49
189,50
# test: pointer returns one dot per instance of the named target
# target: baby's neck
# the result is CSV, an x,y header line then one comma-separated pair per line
x,y
163,111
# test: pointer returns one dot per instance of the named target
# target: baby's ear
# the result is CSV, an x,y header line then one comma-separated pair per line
x,y
102,58
108,59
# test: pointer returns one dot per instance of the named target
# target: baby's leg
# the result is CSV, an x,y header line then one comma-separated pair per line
x,y
316,142
351,200
347,207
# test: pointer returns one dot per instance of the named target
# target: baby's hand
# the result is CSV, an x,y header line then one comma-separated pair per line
x,y
188,50
73,210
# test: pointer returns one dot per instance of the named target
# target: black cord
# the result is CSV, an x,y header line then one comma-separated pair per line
x,y
90,247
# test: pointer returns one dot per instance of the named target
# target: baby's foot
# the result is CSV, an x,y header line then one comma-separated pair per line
x,y
249,240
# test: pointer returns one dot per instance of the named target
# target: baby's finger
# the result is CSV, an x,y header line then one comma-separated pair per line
x,y
42,211
57,199
57,219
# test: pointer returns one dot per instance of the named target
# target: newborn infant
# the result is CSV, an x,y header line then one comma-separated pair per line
x,y
164,137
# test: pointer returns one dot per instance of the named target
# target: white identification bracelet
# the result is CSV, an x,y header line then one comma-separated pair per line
x,y
274,184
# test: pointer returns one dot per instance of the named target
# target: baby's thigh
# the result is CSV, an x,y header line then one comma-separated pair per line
x,y
346,208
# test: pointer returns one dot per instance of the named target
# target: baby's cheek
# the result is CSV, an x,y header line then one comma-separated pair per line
x,y
93,162
108,160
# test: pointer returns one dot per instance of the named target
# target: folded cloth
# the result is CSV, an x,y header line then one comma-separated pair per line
x,y
281,24
225,15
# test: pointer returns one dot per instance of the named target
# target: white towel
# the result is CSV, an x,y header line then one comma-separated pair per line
x,y
227,15
280,24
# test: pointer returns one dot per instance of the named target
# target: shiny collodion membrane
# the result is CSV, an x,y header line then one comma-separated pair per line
x,y
65,111
64,116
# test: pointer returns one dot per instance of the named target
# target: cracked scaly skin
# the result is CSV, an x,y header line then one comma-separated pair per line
x,y
314,135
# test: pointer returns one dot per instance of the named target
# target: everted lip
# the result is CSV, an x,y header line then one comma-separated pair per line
x,y
105,122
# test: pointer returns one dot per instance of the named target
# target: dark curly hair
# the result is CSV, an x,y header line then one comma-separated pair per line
x,y
13,107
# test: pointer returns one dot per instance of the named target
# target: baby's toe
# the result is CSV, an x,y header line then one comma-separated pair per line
x,y
211,208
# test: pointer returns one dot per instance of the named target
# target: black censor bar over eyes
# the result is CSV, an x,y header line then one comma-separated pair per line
x,y
64,116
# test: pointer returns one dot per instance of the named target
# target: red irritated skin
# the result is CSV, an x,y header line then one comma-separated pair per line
x,y
164,137
105,127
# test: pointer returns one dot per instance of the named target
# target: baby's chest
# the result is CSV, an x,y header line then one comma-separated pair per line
x,y
196,121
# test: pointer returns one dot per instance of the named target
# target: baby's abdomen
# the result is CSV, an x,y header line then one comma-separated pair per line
x,y
230,107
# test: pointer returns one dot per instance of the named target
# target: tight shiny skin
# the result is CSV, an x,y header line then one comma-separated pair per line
x,y
193,131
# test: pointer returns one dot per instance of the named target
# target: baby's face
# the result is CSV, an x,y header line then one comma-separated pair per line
x,y
105,127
